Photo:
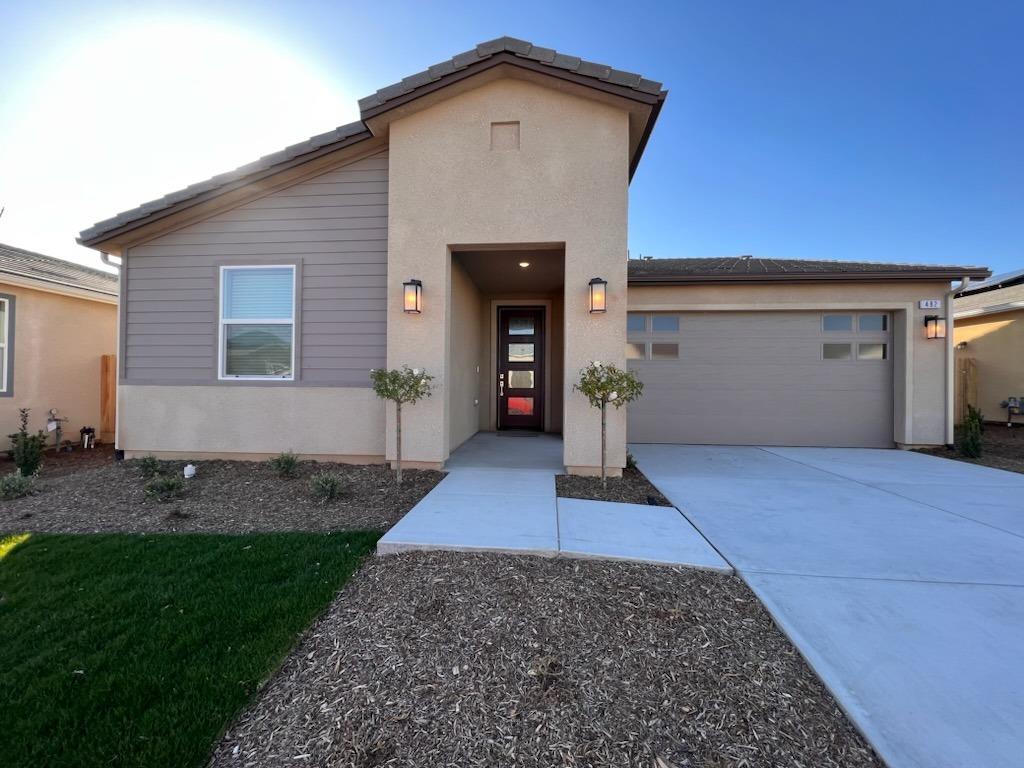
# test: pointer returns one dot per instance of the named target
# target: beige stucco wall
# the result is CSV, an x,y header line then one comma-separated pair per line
x,y
58,342
566,184
345,424
919,370
465,348
996,342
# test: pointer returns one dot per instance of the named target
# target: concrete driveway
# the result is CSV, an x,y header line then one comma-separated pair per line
x,y
899,576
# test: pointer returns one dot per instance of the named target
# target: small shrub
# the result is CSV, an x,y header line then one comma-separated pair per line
x,y
630,461
975,415
15,485
327,486
969,443
149,466
286,464
27,449
165,487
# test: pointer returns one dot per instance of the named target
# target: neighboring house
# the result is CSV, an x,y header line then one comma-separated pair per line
x,y
57,319
255,303
989,330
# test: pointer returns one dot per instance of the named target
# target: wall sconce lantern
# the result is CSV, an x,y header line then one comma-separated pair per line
x,y
413,290
598,295
934,327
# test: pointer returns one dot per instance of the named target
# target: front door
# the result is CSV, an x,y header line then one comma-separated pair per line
x,y
521,368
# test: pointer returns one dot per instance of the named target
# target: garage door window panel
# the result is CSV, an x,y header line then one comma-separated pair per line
x,y
872,351
665,323
636,322
664,351
636,351
834,351
837,323
873,323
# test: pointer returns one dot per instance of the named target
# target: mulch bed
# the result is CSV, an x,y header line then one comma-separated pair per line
x,y
442,659
224,497
632,488
58,464
1002,448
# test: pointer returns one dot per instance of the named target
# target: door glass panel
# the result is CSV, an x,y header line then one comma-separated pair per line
x,y
520,379
664,323
520,406
520,326
837,322
636,322
635,351
835,351
873,322
520,353
871,352
664,351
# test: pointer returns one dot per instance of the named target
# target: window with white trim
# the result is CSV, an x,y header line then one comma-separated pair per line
x,y
257,322
5,320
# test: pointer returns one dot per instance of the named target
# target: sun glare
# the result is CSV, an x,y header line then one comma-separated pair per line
x,y
9,543
147,108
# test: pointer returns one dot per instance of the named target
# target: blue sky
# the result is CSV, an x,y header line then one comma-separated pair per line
x,y
882,131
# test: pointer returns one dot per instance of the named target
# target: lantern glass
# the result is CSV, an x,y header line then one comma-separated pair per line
x,y
598,295
935,327
413,290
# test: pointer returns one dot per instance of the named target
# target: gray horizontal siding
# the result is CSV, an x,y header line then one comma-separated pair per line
x,y
334,227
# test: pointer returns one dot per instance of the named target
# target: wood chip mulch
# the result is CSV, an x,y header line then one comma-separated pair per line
x,y
224,497
1002,447
442,659
632,488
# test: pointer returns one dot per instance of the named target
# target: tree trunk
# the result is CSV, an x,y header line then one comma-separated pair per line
x,y
604,424
398,440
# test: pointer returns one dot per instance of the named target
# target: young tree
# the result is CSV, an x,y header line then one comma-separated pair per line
x,y
603,384
400,386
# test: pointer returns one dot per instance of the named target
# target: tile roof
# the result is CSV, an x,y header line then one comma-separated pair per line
x,y
522,49
1004,280
357,131
36,266
738,268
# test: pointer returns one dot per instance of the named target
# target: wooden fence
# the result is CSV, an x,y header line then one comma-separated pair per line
x,y
965,387
108,397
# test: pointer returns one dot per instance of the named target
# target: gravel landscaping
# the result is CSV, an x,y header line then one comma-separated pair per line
x,y
632,488
1002,448
224,497
441,659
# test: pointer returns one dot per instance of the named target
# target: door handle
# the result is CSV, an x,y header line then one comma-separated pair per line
x,y
501,385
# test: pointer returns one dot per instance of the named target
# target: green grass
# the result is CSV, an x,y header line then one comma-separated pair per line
x,y
123,650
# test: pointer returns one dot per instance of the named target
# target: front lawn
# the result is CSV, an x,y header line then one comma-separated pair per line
x,y
128,650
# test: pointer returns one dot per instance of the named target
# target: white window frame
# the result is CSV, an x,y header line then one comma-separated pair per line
x,y
5,345
222,322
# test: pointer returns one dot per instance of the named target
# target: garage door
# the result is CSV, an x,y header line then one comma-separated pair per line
x,y
762,378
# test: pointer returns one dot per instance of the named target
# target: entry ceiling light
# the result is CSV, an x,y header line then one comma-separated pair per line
x,y
598,295
934,327
524,264
413,289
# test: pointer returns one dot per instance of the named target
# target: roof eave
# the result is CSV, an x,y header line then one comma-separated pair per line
x,y
808,277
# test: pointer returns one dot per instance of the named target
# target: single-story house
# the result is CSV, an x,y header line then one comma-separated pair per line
x,y
57,321
989,330
473,223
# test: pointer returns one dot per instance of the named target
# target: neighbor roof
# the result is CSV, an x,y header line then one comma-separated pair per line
x,y
1004,280
492,53
18,262
750,269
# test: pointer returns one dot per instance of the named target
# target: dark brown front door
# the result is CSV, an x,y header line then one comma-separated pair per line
x,y
521,368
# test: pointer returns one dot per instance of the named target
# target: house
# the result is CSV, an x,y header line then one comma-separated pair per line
x,y
57,320
989,330
474,223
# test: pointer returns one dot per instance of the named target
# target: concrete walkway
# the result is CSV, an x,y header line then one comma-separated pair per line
x,y
516,511
899,576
